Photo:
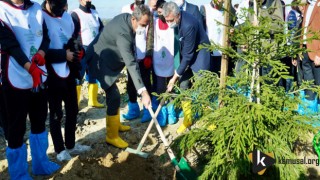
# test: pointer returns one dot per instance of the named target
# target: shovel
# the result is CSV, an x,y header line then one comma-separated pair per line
x,y
182,168
138,150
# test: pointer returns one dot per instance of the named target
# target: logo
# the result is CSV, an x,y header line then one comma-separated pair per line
x,y
261,161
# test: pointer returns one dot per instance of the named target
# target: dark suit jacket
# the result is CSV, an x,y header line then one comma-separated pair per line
x,y
192,34
194,10
112,50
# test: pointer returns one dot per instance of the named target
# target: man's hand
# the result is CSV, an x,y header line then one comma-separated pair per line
x,y
317,61
38,59
172,82
294,62
146,101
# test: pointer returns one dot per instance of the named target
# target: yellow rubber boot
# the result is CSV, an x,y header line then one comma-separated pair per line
x,y
113,124
187,122
93,94
78,93
122,127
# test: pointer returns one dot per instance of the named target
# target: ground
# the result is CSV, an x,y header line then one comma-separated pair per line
x,y
105,161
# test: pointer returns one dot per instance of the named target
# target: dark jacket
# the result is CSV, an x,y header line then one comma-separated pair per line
x,y
194,10
112,50
192,34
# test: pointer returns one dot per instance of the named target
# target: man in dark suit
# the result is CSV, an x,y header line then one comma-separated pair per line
x,y
191,35
190,8
108,54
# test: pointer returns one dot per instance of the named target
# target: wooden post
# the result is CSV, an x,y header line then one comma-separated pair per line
x,y
224,60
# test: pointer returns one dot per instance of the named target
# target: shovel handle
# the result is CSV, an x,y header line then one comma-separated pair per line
x,y
149,126
163,138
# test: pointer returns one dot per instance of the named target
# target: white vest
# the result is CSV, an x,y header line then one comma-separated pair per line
x,y
214,29
163,55
140,39
89,24
60,30
127,9
27,27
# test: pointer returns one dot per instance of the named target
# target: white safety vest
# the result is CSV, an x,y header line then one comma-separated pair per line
x,y
89,24
127,9
140,39
163,54
27,28
214,29
60,30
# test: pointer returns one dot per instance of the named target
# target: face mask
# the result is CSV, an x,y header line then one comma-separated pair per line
x,y
139,3
161,17
179,2
140,30
172,24
58,12
88,4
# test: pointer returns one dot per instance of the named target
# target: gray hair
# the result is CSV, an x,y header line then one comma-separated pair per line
x,y
170,7
140,11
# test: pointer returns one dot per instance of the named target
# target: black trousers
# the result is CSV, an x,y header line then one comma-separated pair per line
x,y
20,103
62,90
3,114
112,99
185,82
215,64
145,75
310,72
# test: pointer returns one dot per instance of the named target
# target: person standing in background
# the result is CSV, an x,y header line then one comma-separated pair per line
x,y
144,60
87,26
63,61
191,35
24,42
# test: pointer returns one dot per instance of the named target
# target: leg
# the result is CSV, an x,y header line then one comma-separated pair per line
x,y
133,107
186,106
56,114
16,151
3,114
113,117
71,109
38,110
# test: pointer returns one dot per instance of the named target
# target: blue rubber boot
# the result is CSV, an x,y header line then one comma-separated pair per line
x,y
172,119
146,117
133,111
40,161
162,116
17,161
309,107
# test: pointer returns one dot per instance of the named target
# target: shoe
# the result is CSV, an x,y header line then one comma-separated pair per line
x,y
93,95
124,128
133,111
78,149
40,161
146,117
17,163
112,135
187,122
64,156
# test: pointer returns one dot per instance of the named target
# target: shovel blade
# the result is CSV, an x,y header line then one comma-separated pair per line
x,y
139,153
186,172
